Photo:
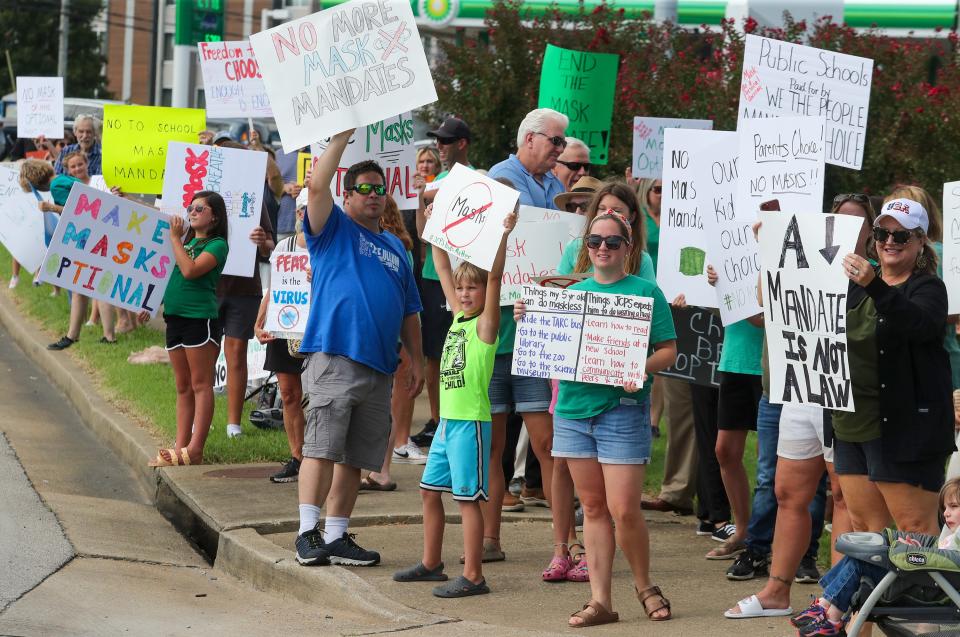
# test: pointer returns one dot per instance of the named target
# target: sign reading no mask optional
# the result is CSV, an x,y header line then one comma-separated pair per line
x,y
40,107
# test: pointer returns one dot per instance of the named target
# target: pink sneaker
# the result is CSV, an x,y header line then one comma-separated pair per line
x,y
558,569
578,571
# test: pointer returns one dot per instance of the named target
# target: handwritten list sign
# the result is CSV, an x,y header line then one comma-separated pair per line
x,y
648,142
289,303
583,336
348,66
232,84
781,78
951,244
699,343
805,306
40,107
21,222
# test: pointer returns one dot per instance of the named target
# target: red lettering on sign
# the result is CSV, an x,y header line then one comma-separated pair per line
x,y
196,167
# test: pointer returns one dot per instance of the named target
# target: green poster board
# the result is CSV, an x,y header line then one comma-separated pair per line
x,y
581,85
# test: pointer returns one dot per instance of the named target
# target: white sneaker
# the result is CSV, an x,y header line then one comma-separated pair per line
x,y
14,280
409,454
234,431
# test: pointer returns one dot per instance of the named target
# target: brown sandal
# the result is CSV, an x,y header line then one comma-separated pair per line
x,y
654,591
594,614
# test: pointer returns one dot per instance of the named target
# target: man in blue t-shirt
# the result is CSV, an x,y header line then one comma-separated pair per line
x,y
365,300
540,142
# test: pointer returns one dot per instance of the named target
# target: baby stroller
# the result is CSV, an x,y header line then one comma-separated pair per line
x,y
917,596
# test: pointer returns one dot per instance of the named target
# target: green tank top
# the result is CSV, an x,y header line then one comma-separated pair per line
x,y
466,366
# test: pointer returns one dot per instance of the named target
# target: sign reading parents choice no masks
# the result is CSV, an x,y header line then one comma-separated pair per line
x,y
345,67
780,78
468,214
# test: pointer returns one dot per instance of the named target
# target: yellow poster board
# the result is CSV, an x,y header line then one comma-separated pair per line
x,y
303,162
135,143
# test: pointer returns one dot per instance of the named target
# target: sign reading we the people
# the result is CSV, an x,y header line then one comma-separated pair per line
x,y
135,142
581,85
782,78
21,222
951,244
40,107
289,303
805,306
237,175
345,67
110,249
648,142
232,84
584,336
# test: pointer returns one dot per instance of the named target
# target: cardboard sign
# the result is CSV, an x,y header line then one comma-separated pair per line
x,y
232,84
782,159
21,222
951,244
682,258
289,303
135,142
110,249
648,142
575,223
468,214
583,336
533,250
805,306
780,78
237,175
581,85
256,358
40,107
389,143
348,66
699,343
304,161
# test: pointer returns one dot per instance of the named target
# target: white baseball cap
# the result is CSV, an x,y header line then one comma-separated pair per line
x,y
907,212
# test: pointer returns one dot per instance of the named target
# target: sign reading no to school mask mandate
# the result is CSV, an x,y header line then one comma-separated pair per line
x,y
345,67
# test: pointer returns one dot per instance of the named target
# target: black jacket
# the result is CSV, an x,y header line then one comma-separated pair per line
x,y
916,404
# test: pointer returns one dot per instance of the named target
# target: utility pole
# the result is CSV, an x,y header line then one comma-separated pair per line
x,y
64,38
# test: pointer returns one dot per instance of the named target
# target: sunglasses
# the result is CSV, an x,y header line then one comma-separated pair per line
x,y
657,190
366,189
851,196
574,207
197,207
899,236
556,140
446,141
575,166
613,241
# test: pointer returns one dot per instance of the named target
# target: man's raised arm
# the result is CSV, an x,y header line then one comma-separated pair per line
x,y
320,202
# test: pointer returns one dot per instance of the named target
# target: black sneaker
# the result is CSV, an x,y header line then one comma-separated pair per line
x,y
289,472
723,533
62,344
425,437
807,573
705,528
748,565
346,551
311,551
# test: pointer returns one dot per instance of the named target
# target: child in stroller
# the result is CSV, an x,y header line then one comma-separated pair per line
x,y
824,617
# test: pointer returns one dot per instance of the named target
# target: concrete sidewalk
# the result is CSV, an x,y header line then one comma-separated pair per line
x,y
247,525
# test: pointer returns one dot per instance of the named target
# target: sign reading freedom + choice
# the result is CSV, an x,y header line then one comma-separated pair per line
x,y
581,85
40,107
345,67
951,244
648,142
110,249
780,78
583,336
135,142
805,306
289,303
232,84
699,343
21,222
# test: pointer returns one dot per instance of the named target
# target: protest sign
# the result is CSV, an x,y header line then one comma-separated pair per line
x,y
951,244
699,343
232,84
110,249
648,142
575,223
256,358
682,257
289,303
348,66
135,142
40,107
805,306
389,143
533,250
98,182
581,85
583,336
781,78
234,173
304,161
468,214
21,222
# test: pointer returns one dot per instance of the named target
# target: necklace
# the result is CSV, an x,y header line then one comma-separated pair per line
x,y
196,247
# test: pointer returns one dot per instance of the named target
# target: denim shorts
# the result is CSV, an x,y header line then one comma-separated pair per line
x,y
524,394
618,436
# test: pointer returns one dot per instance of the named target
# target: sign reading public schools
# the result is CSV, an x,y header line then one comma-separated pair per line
x,y
232,84
110,249
341,68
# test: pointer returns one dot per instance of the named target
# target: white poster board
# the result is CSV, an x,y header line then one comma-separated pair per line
x,y
805,306
583,336
648,142
951,245
468,214
238,175
345,67
256,358
40,107
780,78
682,257
21,222
110,249
232,84
98,182
388,142
533,251
782,159
575,223
289,304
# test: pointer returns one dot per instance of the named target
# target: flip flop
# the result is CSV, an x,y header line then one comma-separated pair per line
x,y
751,607
726,551
461,587
421,573
595,616
369,484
